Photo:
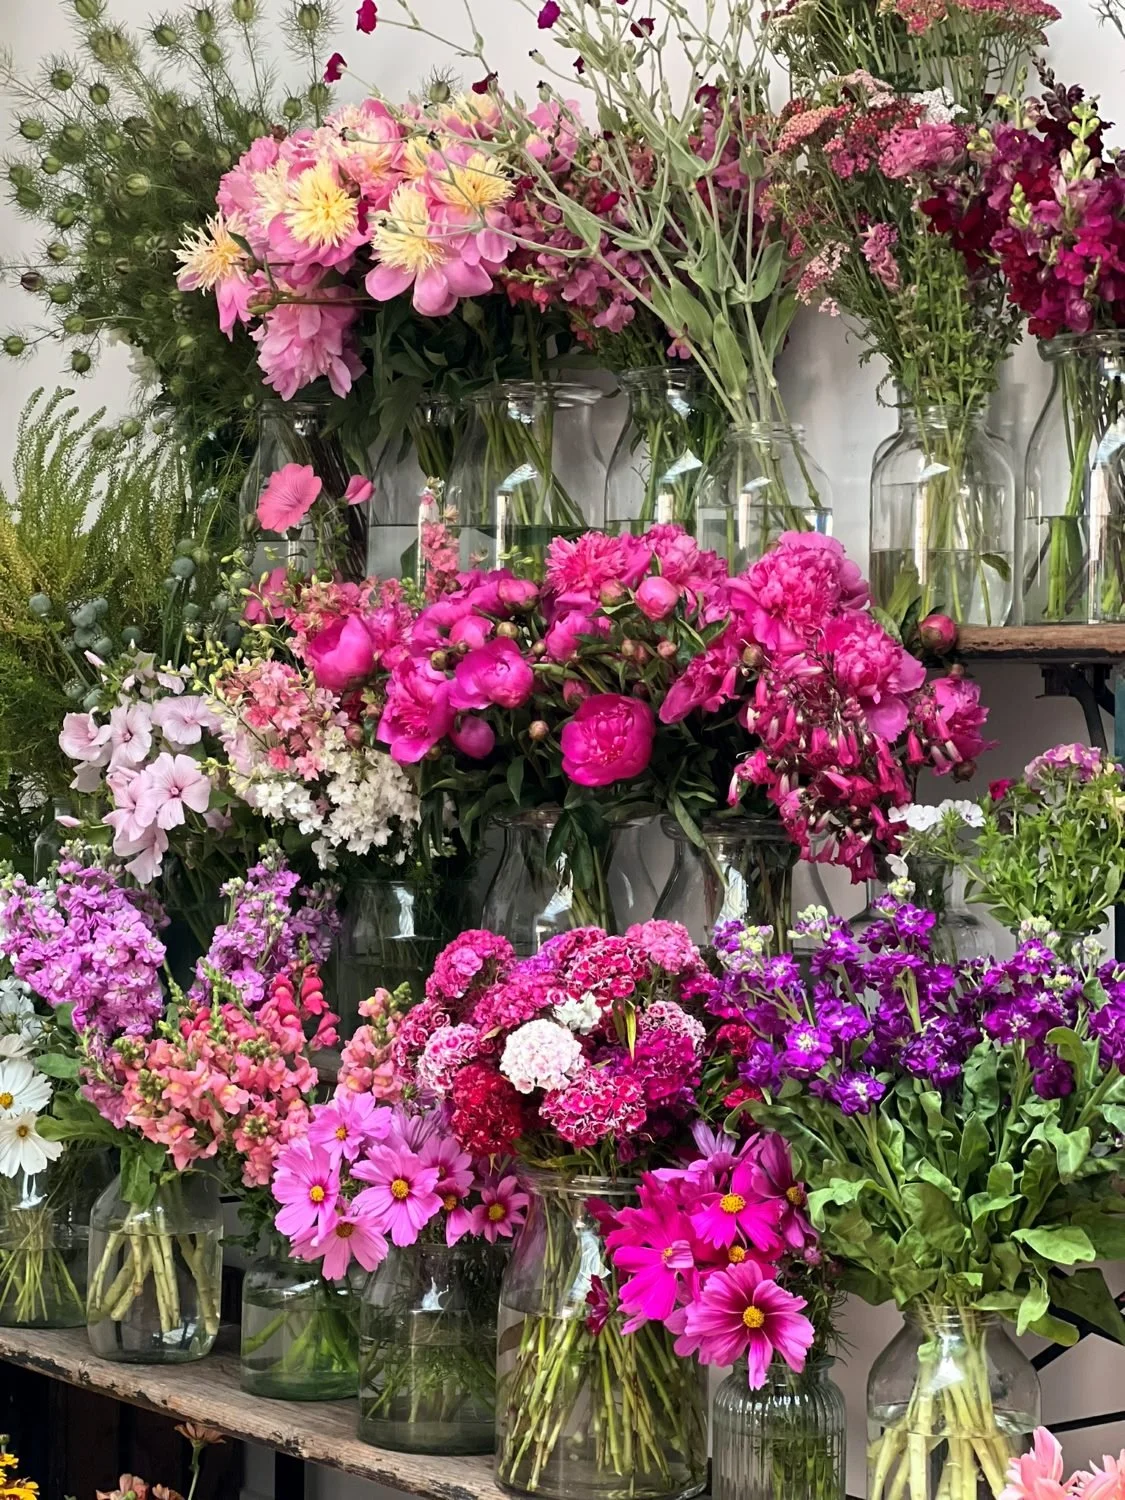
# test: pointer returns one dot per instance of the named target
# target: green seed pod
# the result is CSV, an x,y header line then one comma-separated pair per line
x,y
220,603
40,605
205,21
178,387
103,646
14,345
310,18
112,141
101,439
20,174
61,293
240,580
92,700
84,617
29,200
201,557
160,426
80,362
130,428
99,95
101,237
51,165
31,281
64,217
137,184
74,325
232,637
57,252
32,130
165,35
110,46
123,267
244,11
293,108
182,151
320,96
101,607
61,79
223,159
88,10
211,53
185,342
74,135
169,585
84,639
192,613
185,546
131,636
74,689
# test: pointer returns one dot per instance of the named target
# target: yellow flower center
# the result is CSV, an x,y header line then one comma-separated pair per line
x,y
496,1212
272,190
753,1317
736,1254
316,1193
666,1254
318,210
796,1195
341,1132
401,239
477,183
450,1202
210,254
400,1188
7,1100
732,1203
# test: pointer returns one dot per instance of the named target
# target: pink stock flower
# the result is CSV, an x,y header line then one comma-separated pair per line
x,y
494,673
1038,1475
341,655
501,1209
402,1196
307,1185
874,669
352,1233
923,150
359,490
288,497
741,1312
417,713
169,786
609,739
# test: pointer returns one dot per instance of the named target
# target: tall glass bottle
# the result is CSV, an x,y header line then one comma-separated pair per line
x,y
743,873
672,431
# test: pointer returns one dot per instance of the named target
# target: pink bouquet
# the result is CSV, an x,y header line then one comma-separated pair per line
x,y
1039,1475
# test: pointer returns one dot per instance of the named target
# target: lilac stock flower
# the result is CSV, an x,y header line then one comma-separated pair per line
x,y
857,1093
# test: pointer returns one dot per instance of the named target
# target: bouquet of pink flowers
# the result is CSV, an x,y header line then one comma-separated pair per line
x,y
1039,1475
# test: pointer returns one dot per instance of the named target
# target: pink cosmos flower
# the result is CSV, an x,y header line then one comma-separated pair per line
x,y
1037,1475
306,1183
402,1194
417,713
722,1218
609,739
773,1177
184,720
741,1312
288,496
651,1246
348,1124
494,673
342,654
501,1209
353,1233
359,490
171,784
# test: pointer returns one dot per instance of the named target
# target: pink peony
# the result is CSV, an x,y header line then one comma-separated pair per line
x,y
740,1313
609,739
707,682
494,673
871,667
288,497
566,634
341,655
418,712
792,592
298,342
656,598
578,570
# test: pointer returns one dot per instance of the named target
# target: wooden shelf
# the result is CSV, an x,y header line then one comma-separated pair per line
x,y
1043,643
321,1432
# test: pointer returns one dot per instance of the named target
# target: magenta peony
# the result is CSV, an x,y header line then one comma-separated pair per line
x,y
418,713
609,739
341,655
657,598
494,673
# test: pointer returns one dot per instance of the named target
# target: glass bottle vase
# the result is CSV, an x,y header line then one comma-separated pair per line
x,y
527,470
333,535
299,1333
950,1401
673,429
44,1240
155,1272
1073,553
409,483
743,873
760,483
943,518
784,1441
427,1348
940,888
584,1410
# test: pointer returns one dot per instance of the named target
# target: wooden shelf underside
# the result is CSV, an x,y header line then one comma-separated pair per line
x,y
1043,643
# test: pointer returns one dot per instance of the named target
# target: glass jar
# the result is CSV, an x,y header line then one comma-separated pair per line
x,y
743,873
409,484
526,470
155,1272
1073,563
950,1401
785,1441
673,429
333,535
390,933
300,1333
943,518
44,1240
760,483
584,1411
427,1348
940,887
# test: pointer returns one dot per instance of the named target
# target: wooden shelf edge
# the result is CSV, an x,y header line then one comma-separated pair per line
x,y
208,1392
1043,643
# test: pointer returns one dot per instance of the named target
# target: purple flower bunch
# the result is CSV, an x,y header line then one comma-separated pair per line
x,y
86,940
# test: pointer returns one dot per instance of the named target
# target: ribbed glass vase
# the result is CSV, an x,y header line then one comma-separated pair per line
x,y
784,1441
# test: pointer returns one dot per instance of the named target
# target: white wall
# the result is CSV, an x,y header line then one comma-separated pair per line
x,y
825,389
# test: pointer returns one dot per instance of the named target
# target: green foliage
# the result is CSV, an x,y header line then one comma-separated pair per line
x,y
123,146
88,536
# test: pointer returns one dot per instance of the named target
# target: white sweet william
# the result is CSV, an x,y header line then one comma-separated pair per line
x,y
541,1055
579,1015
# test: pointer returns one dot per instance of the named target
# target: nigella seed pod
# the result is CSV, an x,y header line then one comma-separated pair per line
x,y
29,200
57,252
211,54
32,130
88,10
31,281
14,346
130,428
74,135
111,46
165,35
205,21
182,151
61,293
51,165
244,11
310,18
99,95
61,79
137,184
292,109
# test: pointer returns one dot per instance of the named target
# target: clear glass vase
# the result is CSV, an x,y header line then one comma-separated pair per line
x,y
300,1333
1073,555
785,1441
409,485
155,1273
950,1401
940,888
390,933
526,470
943,518
44,1240
534,894
743,873
427,1348
760,483
584,1411
673,430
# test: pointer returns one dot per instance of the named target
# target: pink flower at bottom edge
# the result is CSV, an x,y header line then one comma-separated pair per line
x,y
351,1235
1037,1475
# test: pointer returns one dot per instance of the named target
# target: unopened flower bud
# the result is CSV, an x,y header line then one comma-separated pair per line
x,y
433,753
462,648
938,634
956,671
611,593
753,657
507,630
14,345
61,79
668,650
641,654
628,649
539,649
439,660
99,95
641,690
538,729
354,735
80,362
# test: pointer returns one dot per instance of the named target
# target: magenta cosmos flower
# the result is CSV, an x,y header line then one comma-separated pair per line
x,y
402,1194
288,497
348,1124
500,1211
741,1312
722,1218
307,1185
774,1178
352,1234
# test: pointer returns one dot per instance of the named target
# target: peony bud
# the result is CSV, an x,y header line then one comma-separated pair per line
x,y
611,593
656,597
668,650
507,630
753,657
538,729
439,660
628,649
938,634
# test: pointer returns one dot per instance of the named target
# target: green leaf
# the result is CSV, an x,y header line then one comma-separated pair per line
x,y
1034,1305
974,1150
935,1215
681,312
990,1203
514,777
839,1191
732,364
1085,1295
768,272
1048,1327
1064,1244
1071,1147
57,1065
140,1172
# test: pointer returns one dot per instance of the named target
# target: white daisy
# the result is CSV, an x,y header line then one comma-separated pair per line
x,y
22,1148
23,1089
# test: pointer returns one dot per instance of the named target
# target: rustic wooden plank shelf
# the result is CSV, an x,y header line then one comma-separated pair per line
x,y
321,1432
1069,644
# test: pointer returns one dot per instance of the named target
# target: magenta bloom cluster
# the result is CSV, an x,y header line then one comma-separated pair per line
x,y
370,1175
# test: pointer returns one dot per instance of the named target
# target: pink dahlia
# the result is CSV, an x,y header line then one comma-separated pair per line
x,y
742,1312
288,497
1038,1475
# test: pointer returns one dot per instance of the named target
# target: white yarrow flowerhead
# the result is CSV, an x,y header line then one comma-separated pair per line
x,y
22,1148
23,1089
541,1055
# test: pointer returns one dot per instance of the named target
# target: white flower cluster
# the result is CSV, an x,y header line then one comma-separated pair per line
x,y
921,818
579,1015
541,1055
938,106
25,1091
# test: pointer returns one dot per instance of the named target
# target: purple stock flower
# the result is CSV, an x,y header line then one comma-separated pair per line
x,y
857,1093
